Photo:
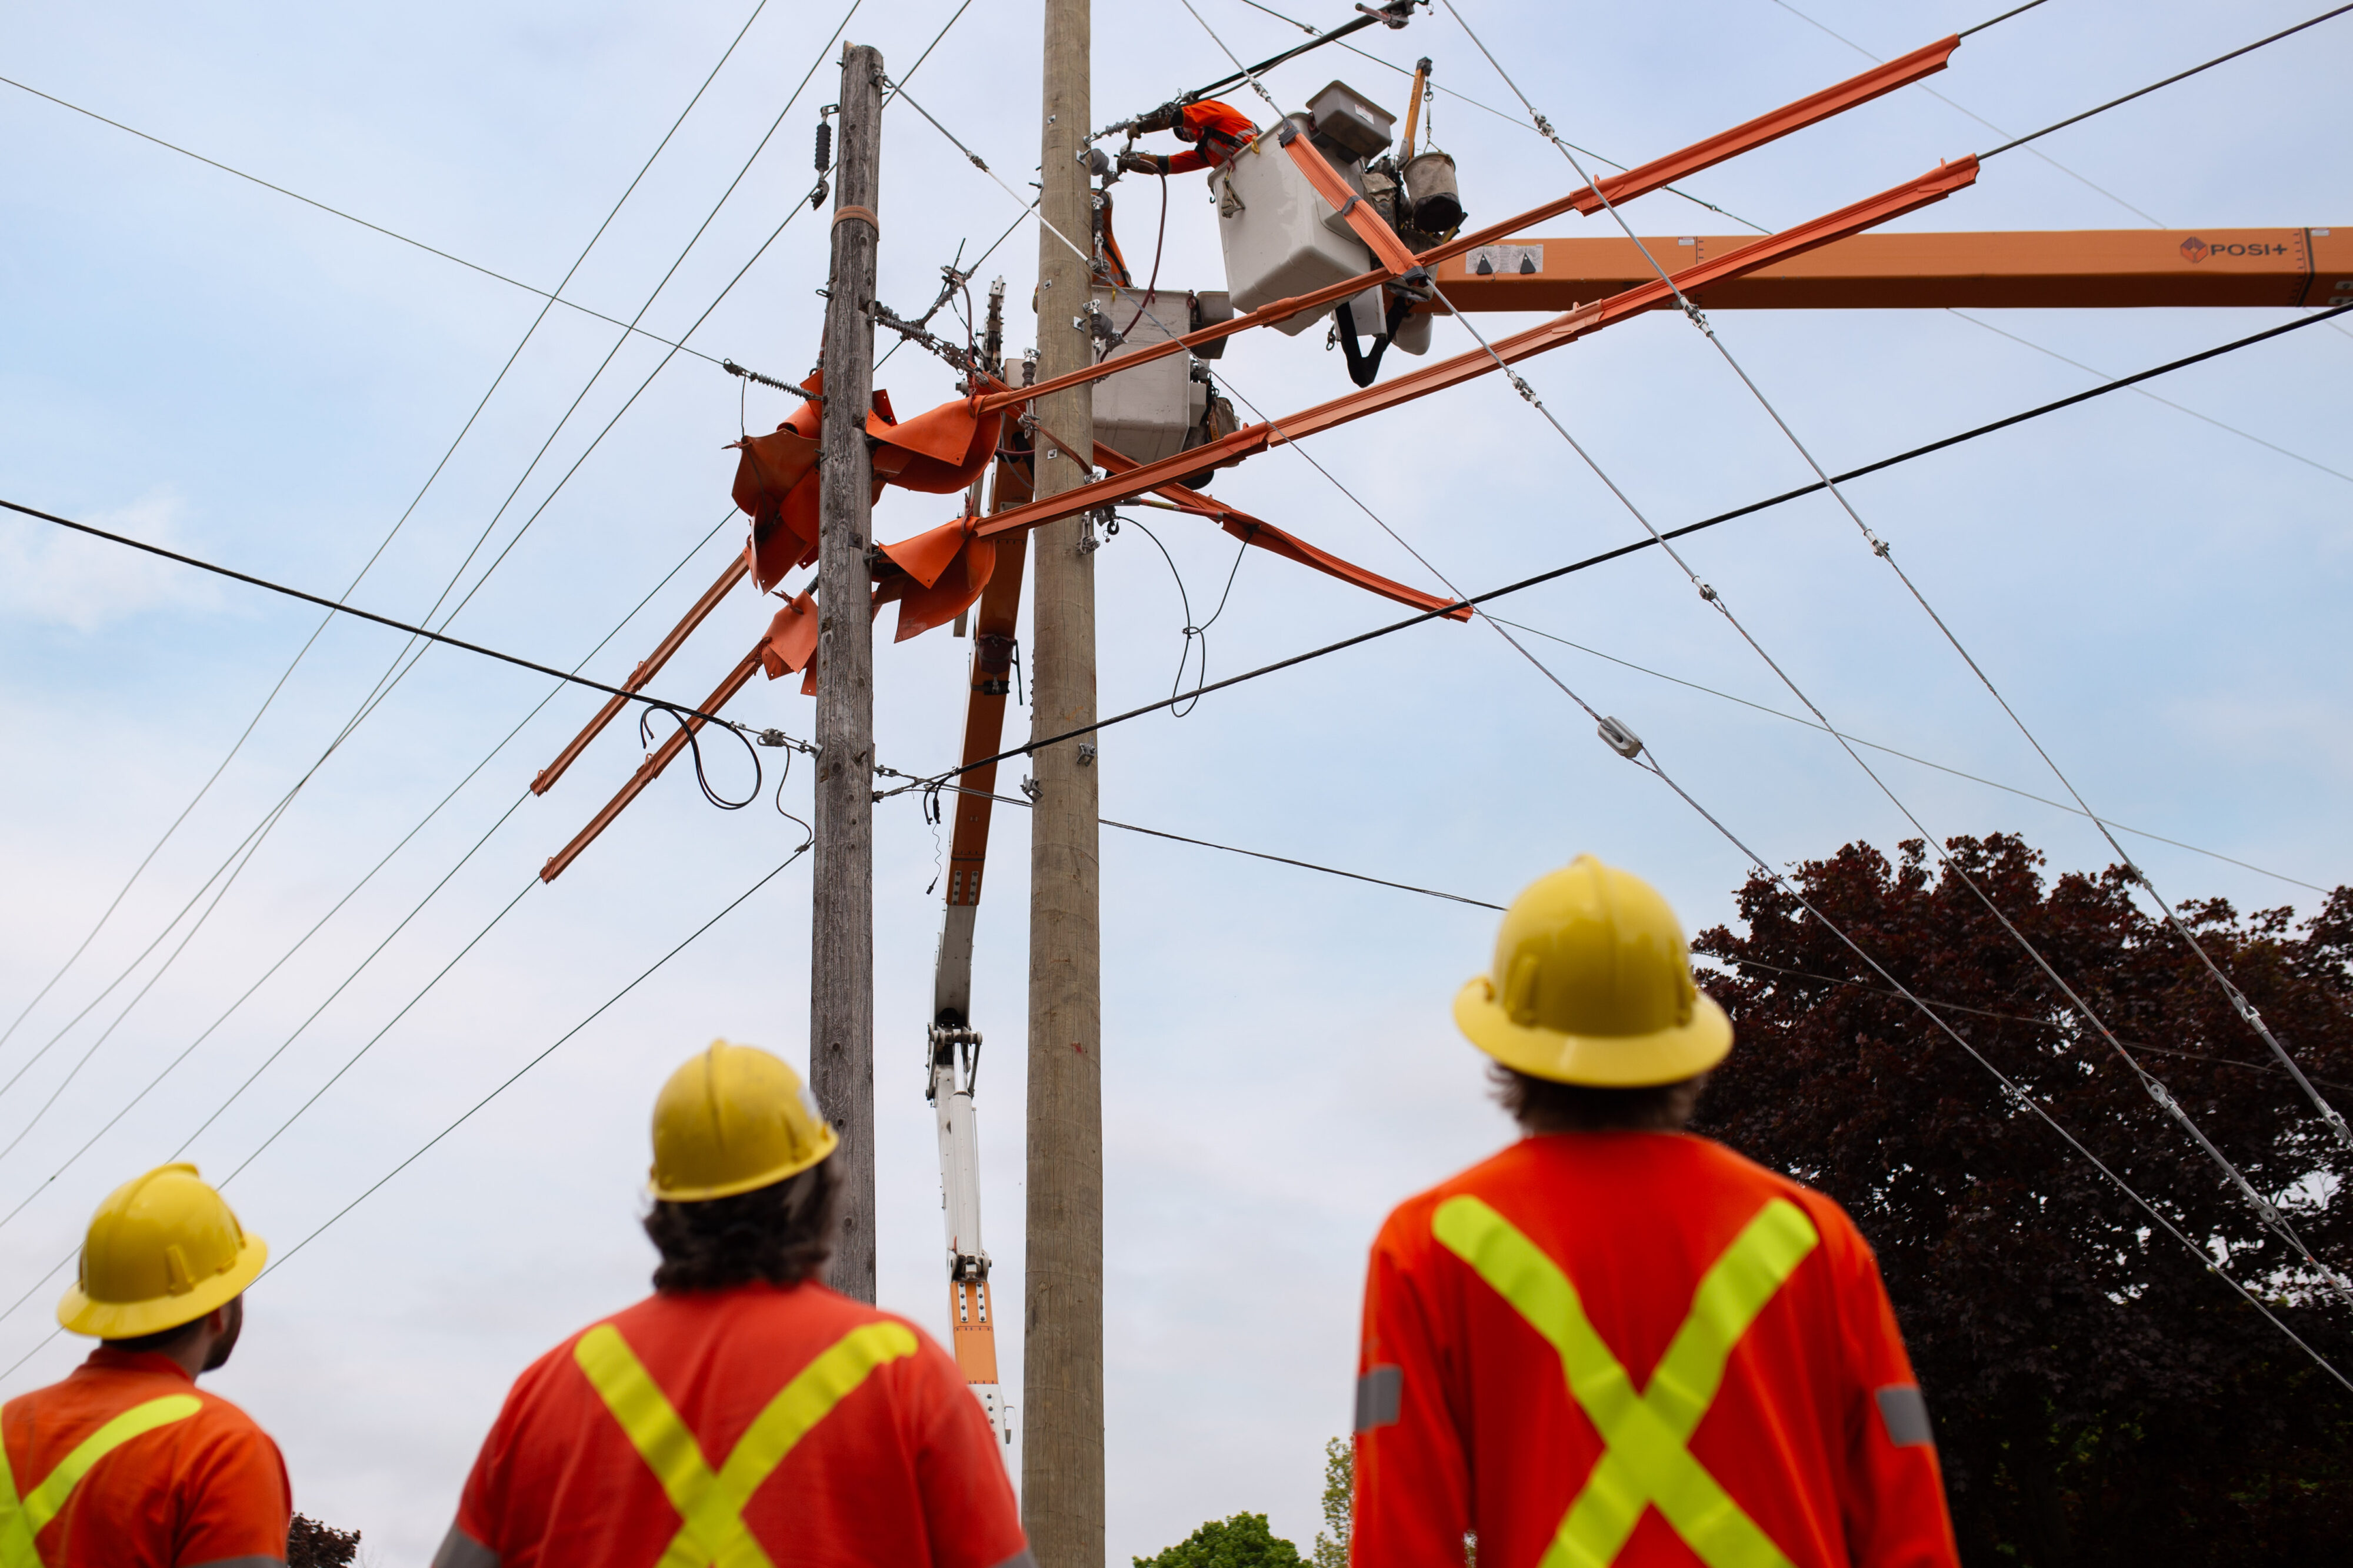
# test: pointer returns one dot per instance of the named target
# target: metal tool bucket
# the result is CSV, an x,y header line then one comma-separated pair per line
x,y
1433,199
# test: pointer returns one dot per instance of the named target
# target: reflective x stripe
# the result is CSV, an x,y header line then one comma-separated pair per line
x,y
1647,1461
21,1519
712,1506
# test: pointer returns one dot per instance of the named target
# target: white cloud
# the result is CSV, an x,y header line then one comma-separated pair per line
x,y
50,574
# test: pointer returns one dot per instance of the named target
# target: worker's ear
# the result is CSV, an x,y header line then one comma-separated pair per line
x,y
225,1323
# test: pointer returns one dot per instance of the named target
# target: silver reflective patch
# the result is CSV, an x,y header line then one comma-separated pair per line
x,y
460,1550
1905,1415
1378,1395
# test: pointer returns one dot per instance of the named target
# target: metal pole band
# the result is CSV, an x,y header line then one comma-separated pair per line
x,y
864,215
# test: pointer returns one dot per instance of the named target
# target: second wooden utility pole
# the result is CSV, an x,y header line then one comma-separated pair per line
x,y
1062,1354
842,924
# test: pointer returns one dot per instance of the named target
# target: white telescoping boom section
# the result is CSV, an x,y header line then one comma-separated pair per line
x,y
954,1064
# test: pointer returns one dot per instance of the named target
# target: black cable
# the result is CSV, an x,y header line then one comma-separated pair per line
x,y
320,924
385,544
1592,560
2005,16
654,702
1395,18
694,745
1184,655
2169,81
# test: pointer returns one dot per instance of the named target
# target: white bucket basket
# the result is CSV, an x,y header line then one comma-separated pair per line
x,y
1277,244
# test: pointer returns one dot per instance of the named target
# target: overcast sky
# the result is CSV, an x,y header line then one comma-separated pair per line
x,y
194,360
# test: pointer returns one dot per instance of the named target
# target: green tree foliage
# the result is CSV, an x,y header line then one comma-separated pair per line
x,y
1244,1541
1339,1491
2099,1398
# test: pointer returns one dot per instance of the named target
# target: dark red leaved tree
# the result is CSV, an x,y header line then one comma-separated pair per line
x,y
2099,1396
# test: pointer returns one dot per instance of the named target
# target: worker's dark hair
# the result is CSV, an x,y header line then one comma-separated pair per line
x,y
782,1232
1540,1105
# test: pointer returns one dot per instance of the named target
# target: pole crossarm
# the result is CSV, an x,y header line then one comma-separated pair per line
x,y
1931,186
2051,269
1616,190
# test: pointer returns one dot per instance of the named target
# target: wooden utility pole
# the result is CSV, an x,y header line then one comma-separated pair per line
x,y
1062,1437
842,924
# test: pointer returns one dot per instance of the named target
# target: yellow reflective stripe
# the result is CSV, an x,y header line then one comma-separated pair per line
x,y
16,1549
22,1519
712,1507
1647,1459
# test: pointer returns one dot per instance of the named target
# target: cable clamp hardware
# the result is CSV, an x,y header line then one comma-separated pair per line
x,y
1619,739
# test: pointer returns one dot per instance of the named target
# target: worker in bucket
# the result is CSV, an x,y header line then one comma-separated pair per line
x,y
1217,130
1616,1342
744,1413
127,1464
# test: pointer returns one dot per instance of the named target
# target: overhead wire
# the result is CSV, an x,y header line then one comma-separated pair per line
x,y
1185,656
552,296
2271,1215
682,715
154,1083
2153,397
1508,118
2268,1068
414,631
398,524
1751,224
1909,757
395,671
2328,1114
2080,179
505,1084
2169,81
1027,804
1600,558
1612,731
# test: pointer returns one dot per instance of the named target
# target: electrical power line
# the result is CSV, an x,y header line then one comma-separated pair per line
x,y
287,1255
1236,849
2271,1215
2328,1114
385,544
1476,600
398,673
552,296
2266,1068
1906,756
1972,113
2169,81
354,891
414,631
1510,119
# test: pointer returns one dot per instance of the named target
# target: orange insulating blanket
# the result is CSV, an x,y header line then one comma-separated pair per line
x,y
937,452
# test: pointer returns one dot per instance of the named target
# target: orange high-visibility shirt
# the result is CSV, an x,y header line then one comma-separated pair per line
x,y
1219,131
1603,1339
828,1431
197,1483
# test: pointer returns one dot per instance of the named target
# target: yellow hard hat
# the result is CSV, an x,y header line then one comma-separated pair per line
x,y
731,1119
161,1251
1592,985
